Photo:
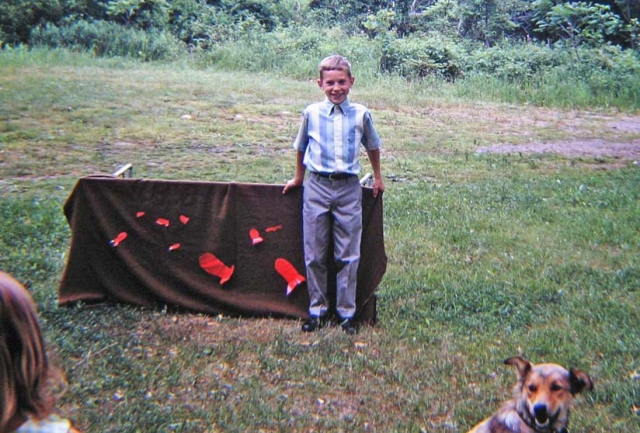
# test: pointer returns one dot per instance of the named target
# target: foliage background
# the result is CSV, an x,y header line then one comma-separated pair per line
x,y
528,47
527,44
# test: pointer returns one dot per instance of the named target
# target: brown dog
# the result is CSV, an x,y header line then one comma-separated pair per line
x,y
541,399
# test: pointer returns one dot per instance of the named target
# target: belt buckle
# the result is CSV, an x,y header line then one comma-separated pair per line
x,y
331,176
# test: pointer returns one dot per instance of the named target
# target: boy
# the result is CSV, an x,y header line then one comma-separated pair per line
x,y
328,145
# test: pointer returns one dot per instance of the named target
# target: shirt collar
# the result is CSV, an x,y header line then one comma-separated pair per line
x,y
344,107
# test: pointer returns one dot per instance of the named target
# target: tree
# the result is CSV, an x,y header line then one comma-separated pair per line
x,y
492,20
144,14
442,16
580,23
18,17
351,14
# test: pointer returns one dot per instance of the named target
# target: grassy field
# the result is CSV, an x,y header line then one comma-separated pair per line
x,y
490,255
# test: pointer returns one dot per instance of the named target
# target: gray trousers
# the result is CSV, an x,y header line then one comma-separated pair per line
x,y
332,209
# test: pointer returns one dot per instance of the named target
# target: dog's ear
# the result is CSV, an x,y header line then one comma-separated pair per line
x,y
579,381
523,366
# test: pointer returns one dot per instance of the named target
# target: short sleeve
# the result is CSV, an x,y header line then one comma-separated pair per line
x,y
302,139
370,138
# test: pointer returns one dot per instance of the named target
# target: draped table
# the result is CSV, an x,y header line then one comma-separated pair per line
x,y
204,247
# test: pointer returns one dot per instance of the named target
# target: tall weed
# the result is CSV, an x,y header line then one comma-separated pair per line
x,y
293,52
586,77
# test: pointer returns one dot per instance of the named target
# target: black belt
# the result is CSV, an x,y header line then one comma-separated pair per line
x,y
335,176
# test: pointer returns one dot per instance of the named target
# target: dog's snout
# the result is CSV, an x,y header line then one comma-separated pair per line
x,y
541,413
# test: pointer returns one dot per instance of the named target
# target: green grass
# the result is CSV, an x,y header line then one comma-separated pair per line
x,y
489,255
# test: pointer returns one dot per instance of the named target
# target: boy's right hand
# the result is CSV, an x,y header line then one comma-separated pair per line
x,y
293,183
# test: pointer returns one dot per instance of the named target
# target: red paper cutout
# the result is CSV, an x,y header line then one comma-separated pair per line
x,y
274,228
162,222
214,266
184,219
140,214
174,247
289,273
255,236
116,241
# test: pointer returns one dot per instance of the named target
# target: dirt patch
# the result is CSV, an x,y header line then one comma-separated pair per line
x,y
623,150
626,124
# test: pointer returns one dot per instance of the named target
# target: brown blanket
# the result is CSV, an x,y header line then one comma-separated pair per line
x,y
201,246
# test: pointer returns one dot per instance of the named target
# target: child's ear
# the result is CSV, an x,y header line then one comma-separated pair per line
x,y
320,82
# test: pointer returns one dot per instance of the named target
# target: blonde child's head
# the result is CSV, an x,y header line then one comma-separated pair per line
x,y
334,63
24,368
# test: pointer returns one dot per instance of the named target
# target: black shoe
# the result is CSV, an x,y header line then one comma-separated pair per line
x,y
349,326
312,324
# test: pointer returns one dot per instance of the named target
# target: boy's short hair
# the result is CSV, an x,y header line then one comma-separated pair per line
x,y
334,63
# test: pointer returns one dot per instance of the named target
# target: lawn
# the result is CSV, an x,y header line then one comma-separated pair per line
x,y
490,254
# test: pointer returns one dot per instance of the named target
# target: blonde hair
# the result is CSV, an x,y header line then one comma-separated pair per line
x,y
24,368
334,63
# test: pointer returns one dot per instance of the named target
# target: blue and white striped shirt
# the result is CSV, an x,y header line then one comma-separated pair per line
x,y
330,136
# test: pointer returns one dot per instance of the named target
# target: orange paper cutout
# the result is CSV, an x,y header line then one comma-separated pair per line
x,y
116,241
254,234
289,273
162,222
214,266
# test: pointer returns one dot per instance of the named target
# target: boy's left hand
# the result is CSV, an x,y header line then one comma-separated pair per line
x,y
378,187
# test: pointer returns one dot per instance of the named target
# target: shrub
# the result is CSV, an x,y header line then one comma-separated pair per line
x,y
202,25
197,24
417,56
109,39
514,62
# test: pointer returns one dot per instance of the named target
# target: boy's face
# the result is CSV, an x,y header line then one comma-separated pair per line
x,y
336,85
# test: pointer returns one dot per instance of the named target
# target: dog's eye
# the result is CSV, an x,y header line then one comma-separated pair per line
x,y
532,387
556,387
